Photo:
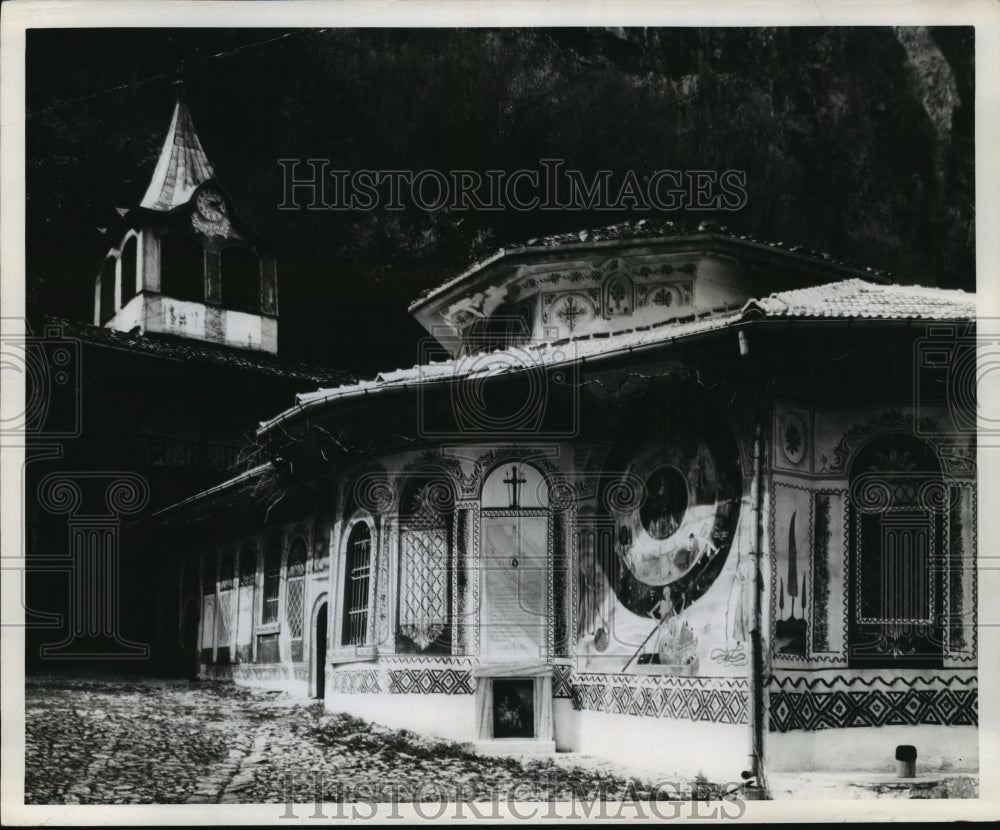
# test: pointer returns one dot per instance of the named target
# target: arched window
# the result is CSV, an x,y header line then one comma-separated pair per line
x,y
898,501
294,590
182,268
241,280
425,565
130,258
515,485
108,298
272,581
356,583
227,565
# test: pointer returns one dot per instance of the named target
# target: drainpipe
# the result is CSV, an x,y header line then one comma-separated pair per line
x,y
755,774
756,639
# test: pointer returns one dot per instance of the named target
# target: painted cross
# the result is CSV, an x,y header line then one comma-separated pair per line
x,y
570,311
514,482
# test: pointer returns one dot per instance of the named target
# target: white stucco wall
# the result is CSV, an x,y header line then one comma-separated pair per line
x,y
939,748
452,717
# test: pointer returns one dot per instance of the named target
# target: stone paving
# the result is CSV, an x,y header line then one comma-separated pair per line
x,y
127,740
146,741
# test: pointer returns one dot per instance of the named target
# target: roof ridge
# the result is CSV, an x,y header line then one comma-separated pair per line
x,y
174,347
638,229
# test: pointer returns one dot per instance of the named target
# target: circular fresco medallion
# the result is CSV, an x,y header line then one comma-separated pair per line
x,y
671,528
674,506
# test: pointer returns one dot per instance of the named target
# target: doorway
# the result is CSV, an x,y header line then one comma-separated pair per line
x,y
320,647
514,566
513,614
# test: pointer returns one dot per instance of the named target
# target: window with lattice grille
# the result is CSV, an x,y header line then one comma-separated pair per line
x,y
356,584
272,582
295,589
896,535
424,581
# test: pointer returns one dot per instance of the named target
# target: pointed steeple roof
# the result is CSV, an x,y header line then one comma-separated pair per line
x,y
182,165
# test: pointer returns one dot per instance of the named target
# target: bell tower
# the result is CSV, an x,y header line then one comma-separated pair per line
x,y
183,263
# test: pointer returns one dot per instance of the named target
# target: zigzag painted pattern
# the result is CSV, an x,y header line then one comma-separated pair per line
x,y
788,681
840,710
406,681
430,682
364,681
562,682
658,697
261,671
841,702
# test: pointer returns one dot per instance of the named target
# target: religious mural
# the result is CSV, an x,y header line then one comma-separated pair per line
x,y
792,561
671,515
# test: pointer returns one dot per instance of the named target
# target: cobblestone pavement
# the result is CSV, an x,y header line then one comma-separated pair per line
x,y
147,741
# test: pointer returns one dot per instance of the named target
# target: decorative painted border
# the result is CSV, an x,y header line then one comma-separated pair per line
x,y
811,703
406,675
808,681
791,711
261,671
797,703
962,644
716,700
429,681
892,420
562,682
820,566
355,682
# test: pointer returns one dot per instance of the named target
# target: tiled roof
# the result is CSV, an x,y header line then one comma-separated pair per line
x,y
220,493
847,299
173,348
182,165
534,355
642,229
856,298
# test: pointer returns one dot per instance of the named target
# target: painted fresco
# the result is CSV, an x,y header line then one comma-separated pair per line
x,y
662,587
791,600
792,438
708,636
